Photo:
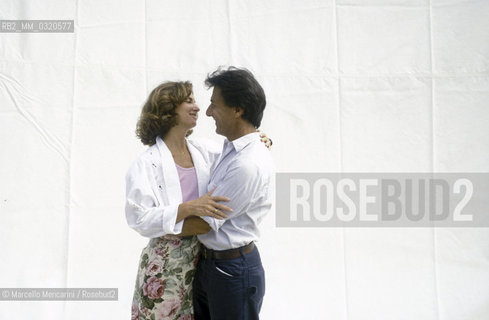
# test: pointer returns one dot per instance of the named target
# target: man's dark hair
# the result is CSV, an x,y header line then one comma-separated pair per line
x,y
239,88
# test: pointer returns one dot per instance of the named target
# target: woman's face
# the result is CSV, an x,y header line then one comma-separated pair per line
x,y
188,113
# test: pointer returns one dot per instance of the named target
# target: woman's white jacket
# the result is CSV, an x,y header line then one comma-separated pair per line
x,y
153,191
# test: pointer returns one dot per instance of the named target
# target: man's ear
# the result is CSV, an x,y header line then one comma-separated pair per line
x,y
238,112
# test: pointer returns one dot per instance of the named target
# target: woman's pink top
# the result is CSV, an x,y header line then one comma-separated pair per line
x,y
188,183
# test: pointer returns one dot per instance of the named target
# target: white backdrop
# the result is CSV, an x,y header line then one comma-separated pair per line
x,y
352,86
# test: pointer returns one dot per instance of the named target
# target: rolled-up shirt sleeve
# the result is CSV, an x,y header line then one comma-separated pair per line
x,y
144,213
243,186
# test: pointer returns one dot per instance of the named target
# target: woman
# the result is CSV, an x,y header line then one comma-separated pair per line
x,y
162,202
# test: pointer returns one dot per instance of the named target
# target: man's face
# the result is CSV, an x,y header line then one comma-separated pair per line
x,y
224,115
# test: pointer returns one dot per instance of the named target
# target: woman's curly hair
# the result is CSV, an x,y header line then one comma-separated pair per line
x,y
158,115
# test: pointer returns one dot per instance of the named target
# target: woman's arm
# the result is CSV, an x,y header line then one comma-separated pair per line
x,y
212,150
265,139
205,205
144,212
150,218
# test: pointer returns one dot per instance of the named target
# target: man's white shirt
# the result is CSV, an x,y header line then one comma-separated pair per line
x,y
244,173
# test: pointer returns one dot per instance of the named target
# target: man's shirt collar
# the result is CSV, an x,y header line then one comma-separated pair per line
x,y
240,143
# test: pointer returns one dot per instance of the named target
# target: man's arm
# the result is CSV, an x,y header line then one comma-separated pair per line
x,y
244,185
194,225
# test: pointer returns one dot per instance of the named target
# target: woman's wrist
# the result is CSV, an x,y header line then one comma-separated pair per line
x,y
183,211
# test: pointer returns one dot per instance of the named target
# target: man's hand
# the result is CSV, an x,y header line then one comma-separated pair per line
x,y
193,226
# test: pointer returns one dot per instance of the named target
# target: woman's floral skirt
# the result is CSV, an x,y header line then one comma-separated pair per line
x,y
164,281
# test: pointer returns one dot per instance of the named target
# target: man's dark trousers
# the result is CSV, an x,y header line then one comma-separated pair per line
x,y
230,288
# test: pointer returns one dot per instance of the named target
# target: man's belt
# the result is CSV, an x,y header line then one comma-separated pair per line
x,y
226,254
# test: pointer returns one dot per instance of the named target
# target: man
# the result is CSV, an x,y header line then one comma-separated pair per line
x,y
229,281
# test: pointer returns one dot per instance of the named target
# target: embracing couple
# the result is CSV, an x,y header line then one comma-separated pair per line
x,y
199,204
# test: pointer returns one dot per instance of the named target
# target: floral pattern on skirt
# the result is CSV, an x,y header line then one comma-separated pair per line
x,y
164,280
